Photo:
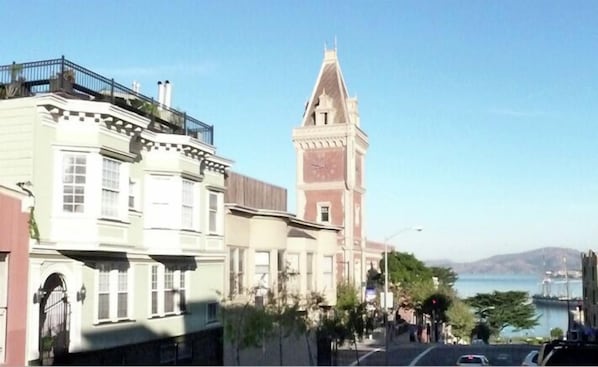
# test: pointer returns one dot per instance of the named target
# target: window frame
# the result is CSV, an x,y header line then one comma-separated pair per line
x,y
260,281
113,271
112,211
64,157
212,315
187,204
180,303
328,275
320,206
214,224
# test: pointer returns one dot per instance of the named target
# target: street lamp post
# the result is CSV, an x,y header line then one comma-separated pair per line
x,y
386,240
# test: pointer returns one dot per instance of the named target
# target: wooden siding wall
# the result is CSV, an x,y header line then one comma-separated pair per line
x,y
247,191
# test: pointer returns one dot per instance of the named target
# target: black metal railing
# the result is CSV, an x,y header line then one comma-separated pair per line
x,y
61,75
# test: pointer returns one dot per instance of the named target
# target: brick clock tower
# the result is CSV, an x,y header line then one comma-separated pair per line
x,y
331,150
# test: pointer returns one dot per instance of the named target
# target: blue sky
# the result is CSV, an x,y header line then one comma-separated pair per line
x,y
482,116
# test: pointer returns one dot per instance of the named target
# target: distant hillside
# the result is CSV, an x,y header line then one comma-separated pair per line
x,y
529,262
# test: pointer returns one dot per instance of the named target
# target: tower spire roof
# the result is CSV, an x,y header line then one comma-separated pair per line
x,y
330,82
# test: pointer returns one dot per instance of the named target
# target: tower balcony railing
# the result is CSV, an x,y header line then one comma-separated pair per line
x,y
74,81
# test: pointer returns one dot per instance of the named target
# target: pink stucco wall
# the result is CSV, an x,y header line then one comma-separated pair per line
x,y
14,239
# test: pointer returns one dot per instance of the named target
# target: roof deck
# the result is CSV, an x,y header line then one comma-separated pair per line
x,y
70,80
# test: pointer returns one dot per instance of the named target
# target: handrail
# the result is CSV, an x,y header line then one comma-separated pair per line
x,y
62,75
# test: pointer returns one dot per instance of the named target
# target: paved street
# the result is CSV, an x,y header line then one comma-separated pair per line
x,y
404,353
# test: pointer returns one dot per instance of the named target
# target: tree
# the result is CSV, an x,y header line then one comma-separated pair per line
x,y
445,275
460,318
556,333
437,303
284,309
351,314
410,276
502,309
245,326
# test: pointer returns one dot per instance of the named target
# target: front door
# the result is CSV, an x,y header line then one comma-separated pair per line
x,y
54,320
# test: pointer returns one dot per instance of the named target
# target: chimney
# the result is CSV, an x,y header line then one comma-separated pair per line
x,y
136,86
167,93
160,94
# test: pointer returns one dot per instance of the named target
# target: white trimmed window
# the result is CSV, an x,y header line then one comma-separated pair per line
x,y
324,213
294,273
236,271
328,280
113,293
73,182
262,271
187,204
309,271
132,194
110,187
159,194
213,216
168,293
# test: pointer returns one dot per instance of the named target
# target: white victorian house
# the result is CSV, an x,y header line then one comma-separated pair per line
x,y
127,256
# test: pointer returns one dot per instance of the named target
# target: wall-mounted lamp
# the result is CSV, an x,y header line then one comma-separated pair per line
x,y
38,295
81,293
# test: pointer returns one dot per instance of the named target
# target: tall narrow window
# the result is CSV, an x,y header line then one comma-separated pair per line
x,y
187,203
110,187
232,272
213,212
104,293
212,312
294,273
132,194
73,183
123,294
168,290
309,271
241,271
182,291
262,270
154,290
327,273
324,214
160,213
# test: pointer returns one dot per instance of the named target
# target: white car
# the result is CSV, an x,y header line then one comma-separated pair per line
x,y
531,359
473,360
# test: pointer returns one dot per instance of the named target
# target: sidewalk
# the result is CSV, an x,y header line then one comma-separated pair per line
x,y
377,340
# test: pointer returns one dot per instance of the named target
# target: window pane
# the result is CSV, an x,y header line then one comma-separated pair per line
x,y
103,306
122,305
169,301
213,201
154,302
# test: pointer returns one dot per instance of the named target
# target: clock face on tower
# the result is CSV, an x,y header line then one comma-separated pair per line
x,y
324,167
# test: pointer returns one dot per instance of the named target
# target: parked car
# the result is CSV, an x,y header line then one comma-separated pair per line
x,y
473,360
531,359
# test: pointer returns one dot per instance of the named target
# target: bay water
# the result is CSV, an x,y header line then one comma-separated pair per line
x,y
550,317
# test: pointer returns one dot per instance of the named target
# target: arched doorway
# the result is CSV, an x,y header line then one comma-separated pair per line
x,y
54,312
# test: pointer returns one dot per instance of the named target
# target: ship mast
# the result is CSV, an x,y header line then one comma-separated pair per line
x,y
568,306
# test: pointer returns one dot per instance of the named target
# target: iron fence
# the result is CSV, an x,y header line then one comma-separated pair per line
x,y
62,75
